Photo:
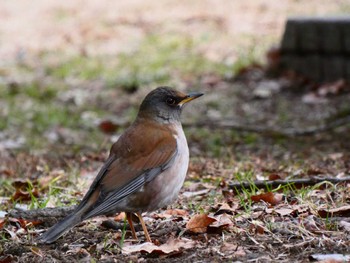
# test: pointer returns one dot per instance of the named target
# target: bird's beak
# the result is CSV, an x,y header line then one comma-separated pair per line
x,y
189,97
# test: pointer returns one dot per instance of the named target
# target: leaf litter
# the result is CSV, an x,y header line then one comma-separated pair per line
x,y
209,222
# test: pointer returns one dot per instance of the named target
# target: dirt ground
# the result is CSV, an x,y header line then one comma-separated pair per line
x,y
109,27
212,221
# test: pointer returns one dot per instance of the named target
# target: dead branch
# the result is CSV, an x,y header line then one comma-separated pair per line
x,y
48,216
297,183
229,124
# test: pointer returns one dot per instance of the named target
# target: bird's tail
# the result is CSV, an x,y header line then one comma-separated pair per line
x,y
60,228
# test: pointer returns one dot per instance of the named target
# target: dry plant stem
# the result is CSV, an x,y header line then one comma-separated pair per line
x,y
129,218
298,183
49,216
229,124
144,228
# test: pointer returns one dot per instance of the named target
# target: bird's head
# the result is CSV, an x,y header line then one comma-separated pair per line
x,y
164,104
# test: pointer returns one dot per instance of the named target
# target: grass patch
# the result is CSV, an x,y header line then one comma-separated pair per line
x,y
158,59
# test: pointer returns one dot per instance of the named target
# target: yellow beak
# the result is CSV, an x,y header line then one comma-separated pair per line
x,y
189,97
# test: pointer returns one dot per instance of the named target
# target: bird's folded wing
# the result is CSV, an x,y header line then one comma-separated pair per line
x,y
128,168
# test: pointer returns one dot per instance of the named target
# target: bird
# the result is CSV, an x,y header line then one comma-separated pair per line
x,y
145,169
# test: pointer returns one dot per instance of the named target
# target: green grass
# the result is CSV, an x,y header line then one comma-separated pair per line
x,y
158,59
33,108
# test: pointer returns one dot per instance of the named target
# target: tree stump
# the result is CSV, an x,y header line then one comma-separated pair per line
x,y
318,48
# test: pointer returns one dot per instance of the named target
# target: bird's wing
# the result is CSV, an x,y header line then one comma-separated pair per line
x,y
133,161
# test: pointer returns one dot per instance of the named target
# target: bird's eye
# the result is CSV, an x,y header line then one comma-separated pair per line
x,y
170,101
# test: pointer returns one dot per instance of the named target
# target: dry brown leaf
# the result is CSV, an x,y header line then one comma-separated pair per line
x,y
343,211
345,225
7,172
226,208
199,223
256,227
274,176
2,223
284,211
7,259
222,221
108,126
333,88
21,195
228,195
120,217
44,181
176,212
228,247
24,223
12,234
309,223
171,246
240,252
269,197
21,184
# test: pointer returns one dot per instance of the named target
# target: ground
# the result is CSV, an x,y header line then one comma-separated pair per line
x,y
66,96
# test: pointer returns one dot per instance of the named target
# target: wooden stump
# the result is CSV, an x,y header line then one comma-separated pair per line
x,y
318,48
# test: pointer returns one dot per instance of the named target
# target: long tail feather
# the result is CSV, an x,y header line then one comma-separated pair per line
x,y
60,228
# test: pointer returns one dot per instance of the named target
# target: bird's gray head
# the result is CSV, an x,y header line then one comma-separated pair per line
x,y
164,104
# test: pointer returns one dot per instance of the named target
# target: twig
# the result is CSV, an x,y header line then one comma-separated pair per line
x,y
298,183
48,216
52,215
229,124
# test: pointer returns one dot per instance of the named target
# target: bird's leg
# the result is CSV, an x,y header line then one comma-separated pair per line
x,y
129,218
144,228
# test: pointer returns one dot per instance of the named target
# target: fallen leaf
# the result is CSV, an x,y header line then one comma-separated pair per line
x,y
192,194
120,217
21,184
269,197
284,211
171,246
345,225
226,208
309,223
343,211
45,181
222,221
13,235
176,212
7,259
256,227
107,126
7,172
199,223
228,247
240,252
274,176
2,223
21,195
333,88
24,223
228,195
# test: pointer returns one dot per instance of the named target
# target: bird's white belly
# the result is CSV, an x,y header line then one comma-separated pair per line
x,y
169,183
